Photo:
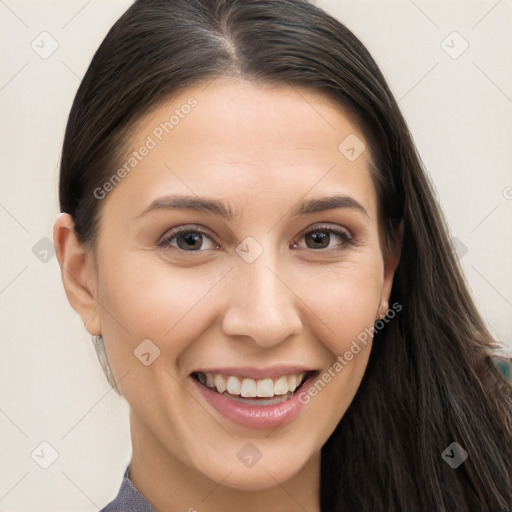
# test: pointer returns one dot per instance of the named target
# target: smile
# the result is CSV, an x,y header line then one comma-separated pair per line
x,y
247,387
266,402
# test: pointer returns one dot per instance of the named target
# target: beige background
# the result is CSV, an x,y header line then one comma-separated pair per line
x,y
51,386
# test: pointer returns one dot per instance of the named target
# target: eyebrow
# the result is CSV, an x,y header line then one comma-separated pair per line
x,y
200,204
221,209
321,204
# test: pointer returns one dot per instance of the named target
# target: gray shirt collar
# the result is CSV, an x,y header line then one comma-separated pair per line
x,y
129,499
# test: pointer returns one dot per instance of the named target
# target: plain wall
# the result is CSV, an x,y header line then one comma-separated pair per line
x,y
52,389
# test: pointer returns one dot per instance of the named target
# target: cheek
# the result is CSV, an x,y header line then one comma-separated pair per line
x,y
343,300
150,298
146,298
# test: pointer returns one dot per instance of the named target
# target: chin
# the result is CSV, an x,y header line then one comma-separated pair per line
x,y
264,474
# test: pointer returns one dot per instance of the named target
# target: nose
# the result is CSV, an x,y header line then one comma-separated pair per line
x,y
261,304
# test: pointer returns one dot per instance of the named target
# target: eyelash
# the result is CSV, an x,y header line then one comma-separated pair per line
x,y
165,243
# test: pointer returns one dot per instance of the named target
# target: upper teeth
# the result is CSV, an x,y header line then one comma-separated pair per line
x,y
247,388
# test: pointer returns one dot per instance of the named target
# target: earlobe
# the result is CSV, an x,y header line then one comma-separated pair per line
x,y
383,309
77,271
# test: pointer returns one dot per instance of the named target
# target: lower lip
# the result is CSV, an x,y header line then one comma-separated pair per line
x,y
254,416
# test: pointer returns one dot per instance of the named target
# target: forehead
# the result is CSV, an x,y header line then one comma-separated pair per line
x,y
227,136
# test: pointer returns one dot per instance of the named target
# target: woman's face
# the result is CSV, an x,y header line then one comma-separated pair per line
x,y
268,282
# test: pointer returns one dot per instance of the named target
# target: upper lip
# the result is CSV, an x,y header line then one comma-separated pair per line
x,y
257,373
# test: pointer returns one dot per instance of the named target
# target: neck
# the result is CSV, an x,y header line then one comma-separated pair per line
x,y
170,485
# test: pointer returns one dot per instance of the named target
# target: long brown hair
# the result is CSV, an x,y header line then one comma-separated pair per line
x,y
427,383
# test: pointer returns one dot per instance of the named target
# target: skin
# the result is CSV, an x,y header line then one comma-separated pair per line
x,y
261,149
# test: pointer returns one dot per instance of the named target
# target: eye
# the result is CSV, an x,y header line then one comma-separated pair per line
x,y
188,239
321,237
192,240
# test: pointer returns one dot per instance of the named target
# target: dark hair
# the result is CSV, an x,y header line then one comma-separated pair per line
x,y
427,383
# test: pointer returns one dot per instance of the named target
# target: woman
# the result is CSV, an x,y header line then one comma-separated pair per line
x,y
247,231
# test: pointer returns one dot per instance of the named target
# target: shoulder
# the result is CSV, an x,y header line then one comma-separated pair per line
x,y
502,367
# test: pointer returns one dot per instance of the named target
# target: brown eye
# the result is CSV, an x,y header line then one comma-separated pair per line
x,y
318,239
190,240
321,238
187,240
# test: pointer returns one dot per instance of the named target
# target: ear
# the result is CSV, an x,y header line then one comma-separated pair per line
x,y
391,259
78,272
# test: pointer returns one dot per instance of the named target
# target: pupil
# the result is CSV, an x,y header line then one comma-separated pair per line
x,y
190,240
318,237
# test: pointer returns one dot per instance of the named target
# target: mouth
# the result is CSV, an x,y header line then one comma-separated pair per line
x,y
246,390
